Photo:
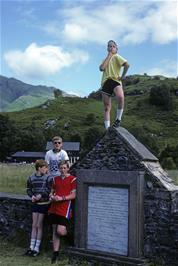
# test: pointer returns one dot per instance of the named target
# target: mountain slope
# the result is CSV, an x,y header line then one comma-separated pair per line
x,y
75,118
11,91
26,101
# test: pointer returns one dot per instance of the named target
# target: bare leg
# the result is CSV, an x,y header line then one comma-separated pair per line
x,y
119,96
107,109
34,225
39,231
56,238
61,230
40,226
58,230
34,230
120,101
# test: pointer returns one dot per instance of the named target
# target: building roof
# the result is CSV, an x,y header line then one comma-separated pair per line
x,y
67,146
27,154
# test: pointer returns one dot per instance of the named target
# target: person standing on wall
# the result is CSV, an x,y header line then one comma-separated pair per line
x,y
54,156
111,82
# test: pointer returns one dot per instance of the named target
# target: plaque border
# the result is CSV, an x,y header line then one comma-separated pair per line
x,y
134,181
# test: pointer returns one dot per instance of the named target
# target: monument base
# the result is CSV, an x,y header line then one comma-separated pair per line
x,y
102,259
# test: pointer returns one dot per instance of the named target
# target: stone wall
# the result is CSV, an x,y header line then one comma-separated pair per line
x,y
118,150
161,224
15,215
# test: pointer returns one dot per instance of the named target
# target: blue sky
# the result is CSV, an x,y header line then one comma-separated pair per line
x,y
61,43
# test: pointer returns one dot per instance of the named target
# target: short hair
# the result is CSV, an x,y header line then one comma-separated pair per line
x,y
64,162
40,163
113,42
57,138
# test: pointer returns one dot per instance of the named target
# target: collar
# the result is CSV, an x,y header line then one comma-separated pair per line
x,y
56,151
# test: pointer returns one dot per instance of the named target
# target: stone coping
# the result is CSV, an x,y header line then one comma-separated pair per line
x,y
137,146
14,196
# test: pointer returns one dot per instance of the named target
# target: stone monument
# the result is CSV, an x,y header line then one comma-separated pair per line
x,y
127,205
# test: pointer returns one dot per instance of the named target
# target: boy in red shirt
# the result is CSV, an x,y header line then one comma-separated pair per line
x,y
63,192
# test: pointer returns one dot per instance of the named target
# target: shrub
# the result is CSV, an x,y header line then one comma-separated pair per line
x,y
170,151
91,137
160,95
90,119
168,163
95,95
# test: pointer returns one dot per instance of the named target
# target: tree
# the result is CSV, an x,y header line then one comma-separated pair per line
x,y
7,137
91,137
90,119
169,151
95,95
168,163
160,95
31,139
57,93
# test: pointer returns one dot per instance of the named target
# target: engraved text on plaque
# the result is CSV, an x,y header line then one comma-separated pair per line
x,y
108,219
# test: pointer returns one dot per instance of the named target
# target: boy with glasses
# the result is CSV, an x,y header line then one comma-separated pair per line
x,y
55,156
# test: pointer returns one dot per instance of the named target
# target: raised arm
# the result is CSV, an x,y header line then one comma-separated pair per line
x,y
105,63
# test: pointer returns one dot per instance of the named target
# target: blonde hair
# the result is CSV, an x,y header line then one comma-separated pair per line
x,y
64,162
57,138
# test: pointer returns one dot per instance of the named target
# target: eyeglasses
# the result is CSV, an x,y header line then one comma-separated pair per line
x,y
57,142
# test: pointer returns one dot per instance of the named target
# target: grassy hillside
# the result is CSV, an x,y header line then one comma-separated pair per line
x,y
26,101
73,110
152,125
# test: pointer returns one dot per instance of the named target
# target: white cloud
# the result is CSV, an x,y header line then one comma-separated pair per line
x,y
75,32
38,62
167,68
128,21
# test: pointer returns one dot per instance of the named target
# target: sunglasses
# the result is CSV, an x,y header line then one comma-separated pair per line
x,y
57,142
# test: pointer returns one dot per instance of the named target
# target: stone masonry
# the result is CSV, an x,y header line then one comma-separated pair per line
x,y
119,150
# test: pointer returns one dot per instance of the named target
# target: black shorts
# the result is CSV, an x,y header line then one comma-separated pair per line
x,y
40,208
57,219
109,86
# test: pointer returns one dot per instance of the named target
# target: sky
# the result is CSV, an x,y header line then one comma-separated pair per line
x,y
61,43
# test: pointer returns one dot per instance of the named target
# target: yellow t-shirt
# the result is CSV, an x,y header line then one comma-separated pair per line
x,y
112,70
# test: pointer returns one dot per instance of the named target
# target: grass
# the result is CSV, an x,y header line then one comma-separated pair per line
x,y
13,177
11,253
174,175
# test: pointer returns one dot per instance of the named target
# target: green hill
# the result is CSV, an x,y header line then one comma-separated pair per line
x,y
26,101
17,95
82,118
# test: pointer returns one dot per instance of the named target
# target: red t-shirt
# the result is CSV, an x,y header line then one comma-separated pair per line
x,y
63,187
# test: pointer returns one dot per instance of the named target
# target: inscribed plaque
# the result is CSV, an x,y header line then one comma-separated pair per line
x,y
108,219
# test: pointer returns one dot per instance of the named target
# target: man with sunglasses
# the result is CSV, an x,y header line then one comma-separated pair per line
x,y
55,156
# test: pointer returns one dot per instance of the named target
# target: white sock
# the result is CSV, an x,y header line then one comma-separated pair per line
x,y
32,243
106,124
37,245
119,114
